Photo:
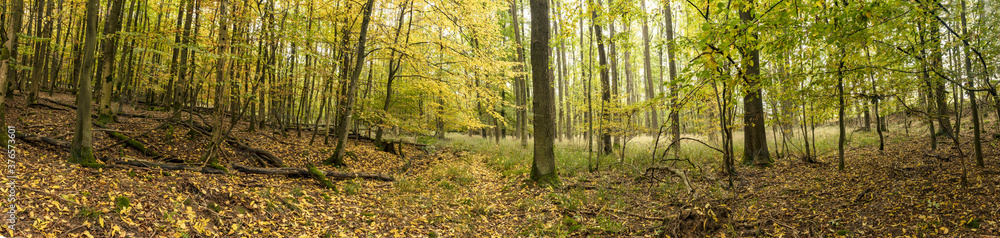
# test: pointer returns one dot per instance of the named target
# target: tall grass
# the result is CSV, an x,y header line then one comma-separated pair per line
x,y
510,158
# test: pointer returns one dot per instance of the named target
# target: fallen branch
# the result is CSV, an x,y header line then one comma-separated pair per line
x,y
59,103
678,172
300,172
167,166
43,105
133,143
270,158
41,139
274,160
139,136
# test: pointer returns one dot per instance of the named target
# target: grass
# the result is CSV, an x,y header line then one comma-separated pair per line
x,y
510,158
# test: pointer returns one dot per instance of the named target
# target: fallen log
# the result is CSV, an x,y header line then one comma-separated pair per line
x,y
270,158
59,103
300,172
41,139
167,166
132,143
43,105
263,154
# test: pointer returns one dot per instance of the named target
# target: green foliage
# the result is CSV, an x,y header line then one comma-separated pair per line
x,y
122,202
89,213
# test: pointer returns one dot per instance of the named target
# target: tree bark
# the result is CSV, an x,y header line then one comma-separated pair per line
x,y
81,151
602,60
543,167
109,45
8,53
222,86
41,49
675,124
347,105
653,118
755,137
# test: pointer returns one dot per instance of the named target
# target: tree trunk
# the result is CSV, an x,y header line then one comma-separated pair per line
x,y
755,137
675,120
543,167
652,120
972,96
347,105
10,48
602,60
222,86
81,151
109,45
41,50
519,82
840,115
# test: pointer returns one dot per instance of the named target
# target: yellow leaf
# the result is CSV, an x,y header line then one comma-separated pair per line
x,y
101,221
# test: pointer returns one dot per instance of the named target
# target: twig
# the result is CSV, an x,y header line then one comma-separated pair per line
x,y
71,231
51,195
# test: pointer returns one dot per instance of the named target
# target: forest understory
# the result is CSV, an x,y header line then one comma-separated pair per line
x,y
454,191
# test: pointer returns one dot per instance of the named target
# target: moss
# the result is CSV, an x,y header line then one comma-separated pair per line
x,y
545,180
135,144
105,119
320,176
215,165
215,207
84,156
121,202
169,135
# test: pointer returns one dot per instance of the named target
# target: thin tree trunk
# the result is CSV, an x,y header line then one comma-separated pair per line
x,y
347,106
652,120
109,48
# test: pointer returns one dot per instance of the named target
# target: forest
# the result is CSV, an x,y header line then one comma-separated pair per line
x,y
513,118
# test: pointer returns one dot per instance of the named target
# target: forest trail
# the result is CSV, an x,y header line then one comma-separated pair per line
x,y
452,192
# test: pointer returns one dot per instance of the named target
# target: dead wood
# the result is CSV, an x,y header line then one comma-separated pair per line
x,y
263,154
300,172
687,182
168,166
267,156
43,105
42,139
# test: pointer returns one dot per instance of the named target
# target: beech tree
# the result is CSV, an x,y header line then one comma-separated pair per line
x,y
81,151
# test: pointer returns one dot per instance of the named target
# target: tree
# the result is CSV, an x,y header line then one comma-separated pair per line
x,y
347,103
675,124
110,46
543,166
972,94
81,151
755,137
653,118
221,88
41,48
8,51
605,83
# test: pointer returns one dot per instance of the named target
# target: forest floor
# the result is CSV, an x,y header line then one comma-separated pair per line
x,y
470,187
